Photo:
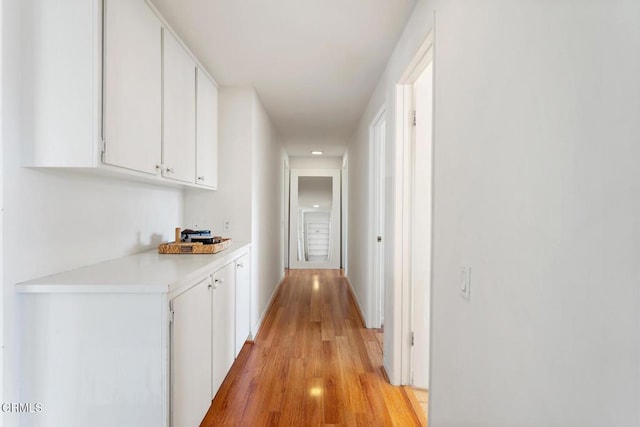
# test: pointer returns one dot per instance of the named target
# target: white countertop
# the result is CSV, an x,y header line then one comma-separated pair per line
x,y
146,272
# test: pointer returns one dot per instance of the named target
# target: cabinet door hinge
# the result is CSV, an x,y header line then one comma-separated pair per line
x,y
103,148
414,118
413,339
171,312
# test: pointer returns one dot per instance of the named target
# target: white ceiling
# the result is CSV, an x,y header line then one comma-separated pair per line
x,y
313,63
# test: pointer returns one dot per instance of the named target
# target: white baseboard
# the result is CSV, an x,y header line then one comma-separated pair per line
x,y
387,368
358,305
256,327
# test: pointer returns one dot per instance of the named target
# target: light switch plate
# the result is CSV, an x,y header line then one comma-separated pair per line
x,y
465,282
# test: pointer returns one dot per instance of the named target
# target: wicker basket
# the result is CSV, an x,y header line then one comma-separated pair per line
x,y
194,247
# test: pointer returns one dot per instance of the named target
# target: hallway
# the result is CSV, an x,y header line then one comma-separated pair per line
x,y
313,363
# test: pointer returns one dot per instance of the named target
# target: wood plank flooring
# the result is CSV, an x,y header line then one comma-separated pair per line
x,y
312,364
421,403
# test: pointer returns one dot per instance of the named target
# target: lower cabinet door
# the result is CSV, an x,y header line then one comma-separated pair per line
x,y
191,355
243,301
223,325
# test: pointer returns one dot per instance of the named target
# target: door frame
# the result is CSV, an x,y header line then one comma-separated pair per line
x,y
402,316
344,219
377,200
1,206
421,184
334,243
286,182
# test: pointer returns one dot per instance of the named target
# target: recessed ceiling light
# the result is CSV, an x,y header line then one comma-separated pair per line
x,y
316,206
317,153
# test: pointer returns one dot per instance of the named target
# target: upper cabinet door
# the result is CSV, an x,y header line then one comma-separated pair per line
x,y
132,85
179,125
207,132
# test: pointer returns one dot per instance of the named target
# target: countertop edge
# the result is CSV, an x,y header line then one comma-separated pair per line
x,y
193,278
171,287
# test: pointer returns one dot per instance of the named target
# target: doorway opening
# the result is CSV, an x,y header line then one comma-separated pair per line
x,y
314,219
421,207
285,215
413,219
344,219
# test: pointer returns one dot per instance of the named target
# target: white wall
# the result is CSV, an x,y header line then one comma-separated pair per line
x,y
250,191
266,210
539,192
537,188
358,225
414,34
232,201
57,220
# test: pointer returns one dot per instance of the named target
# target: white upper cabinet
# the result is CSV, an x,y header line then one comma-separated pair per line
x,y
132,85
102,92
62,83
206,132
179,114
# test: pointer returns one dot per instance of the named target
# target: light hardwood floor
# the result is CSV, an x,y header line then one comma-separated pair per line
x,y
312,364
422,397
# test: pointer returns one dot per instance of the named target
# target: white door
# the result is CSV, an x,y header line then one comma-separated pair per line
x,y
206,132
421,228
243,301
191,355
223,325
179,111
378,134
132,85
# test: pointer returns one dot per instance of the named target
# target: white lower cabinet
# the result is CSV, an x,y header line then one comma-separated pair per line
x,y
92,358
143,340
243,301
223,324
191,355
203,340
